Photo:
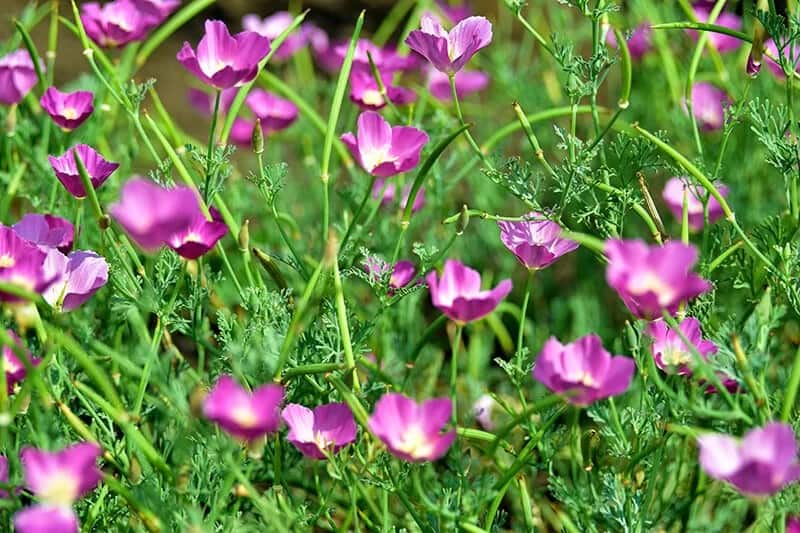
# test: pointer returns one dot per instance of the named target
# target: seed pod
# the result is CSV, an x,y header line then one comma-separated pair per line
x,y
258,138
463,220
244,236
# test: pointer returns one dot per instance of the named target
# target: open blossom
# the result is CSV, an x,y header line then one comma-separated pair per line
x,y
320,432
761,464
669,351
537,242
46,231
66,170
274,112
467,82
46,519
386,58
199,237
245,415
402,274
652,279
383,150
17,76
64,476
114,24
583,370
21,264
222,60
457,293
412,431
68,110
157,11
449,51
723,43
152,214
790,54
275,24
78,276
708,105
365,93
639,43
673,197
14,367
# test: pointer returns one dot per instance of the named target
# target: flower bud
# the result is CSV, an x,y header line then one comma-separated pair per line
x,y
258,138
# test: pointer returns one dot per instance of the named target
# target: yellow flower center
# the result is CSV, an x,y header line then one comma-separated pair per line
x,y
650,282
244,416
70,113
6,261
61,489
372,97
415,443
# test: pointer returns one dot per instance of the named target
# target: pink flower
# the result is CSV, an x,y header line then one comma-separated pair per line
x,y
243,414
793,524
46,519
321,432
66,170
670,352
365,93
673,197
412,431
708,106
78,276
639,43
448,52
275,113
402,274
46,231
21,264
457,293
62,477
467,82
222,60
17,76
383,150
652,279
68,110
152,214
386,58
15,370
583,370
419,199
536,242
723,43
157,10
454,12
790,55
761,464
115,24
272,26
199,237
483,412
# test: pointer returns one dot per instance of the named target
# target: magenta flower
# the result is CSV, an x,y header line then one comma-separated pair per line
x,y
17,76
639,43
204,102
412,431
78,276
114,24
275,113
222,60
66,170
386,58
789,55
365,93
46,519
652,279
670,352
583,370
402,274
454,12
708,106
68,110
151,214
385,190
457,293
482,409
419,199
321,432
46,231
62,477
245,415
14,367
536,242
448,52
673,197
723,43
761,464
383,150
157,10
467,82
271,27
21,264
199,237
793,524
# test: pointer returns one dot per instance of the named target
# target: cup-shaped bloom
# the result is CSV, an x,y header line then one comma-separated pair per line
x,y
66,170
454,12
652,279
761,464
583,370
412,431
46,519
274,112
402,274
790,54
383,150
366,94
272,26
536,241
245,415
157,10
708,106
21,264
723,43
78,276
222,60
673,197
114,24
62,477
639,43
457,293
321,432
46,231
448,52
199,237
669,351
152,214
467,82
17,76
13,366
68,110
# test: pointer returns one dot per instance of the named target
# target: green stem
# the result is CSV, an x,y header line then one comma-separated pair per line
x,y
210,151
454,370
344,328
460,116
791,389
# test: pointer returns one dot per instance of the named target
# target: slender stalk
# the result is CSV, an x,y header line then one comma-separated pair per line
x,y
791,390
210,151
455,347
460,116
344,328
